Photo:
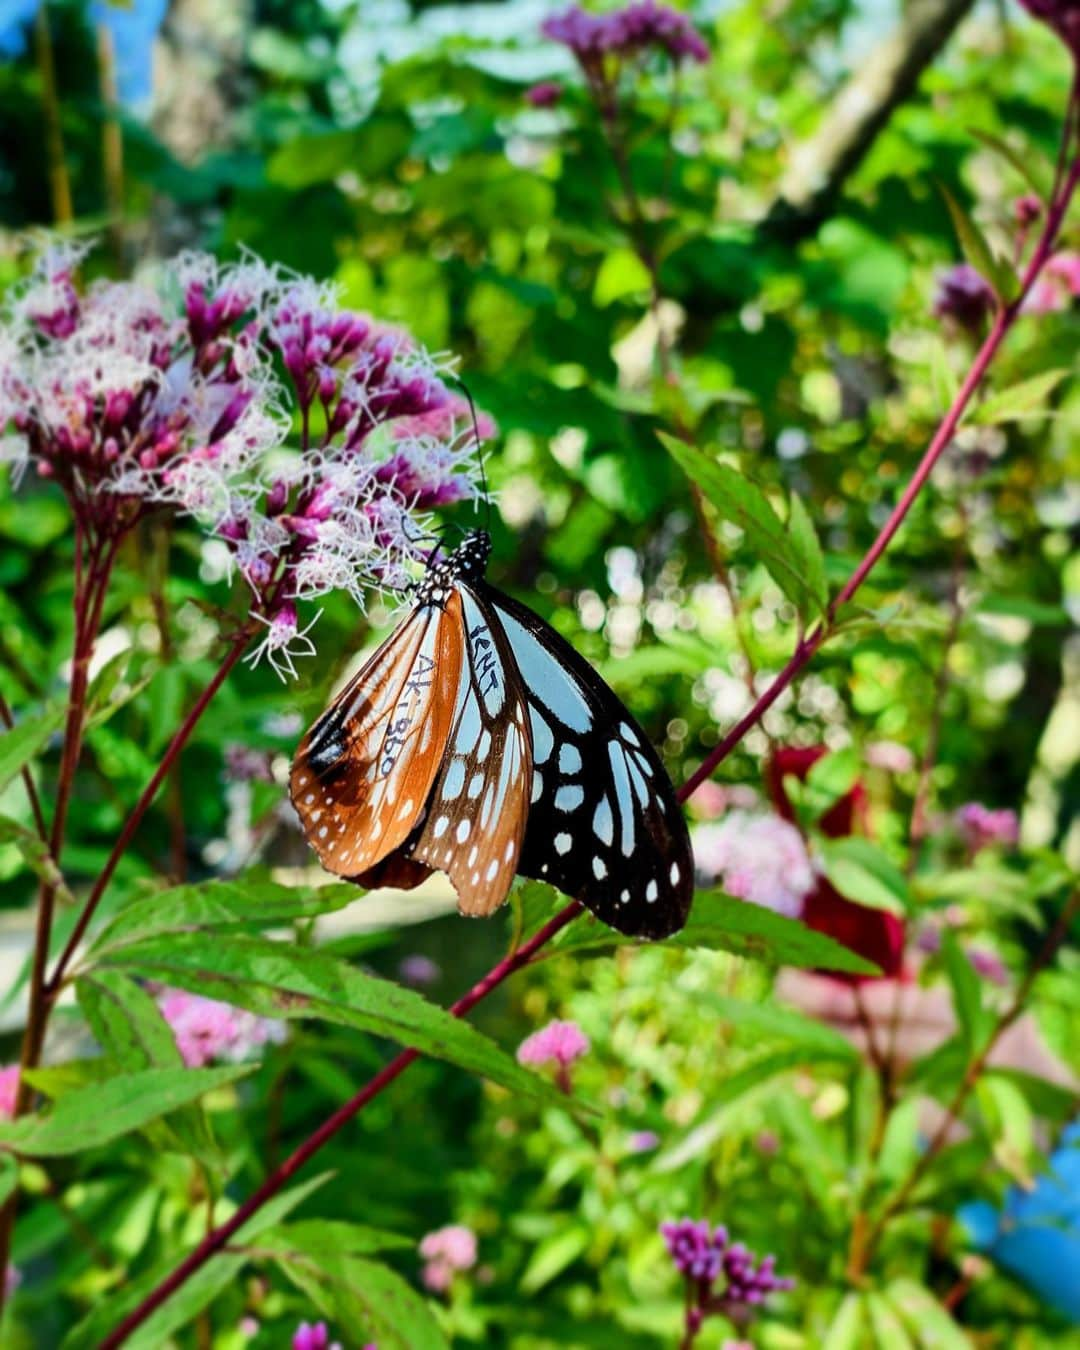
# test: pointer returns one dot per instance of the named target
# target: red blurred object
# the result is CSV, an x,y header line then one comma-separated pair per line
x,y
873,933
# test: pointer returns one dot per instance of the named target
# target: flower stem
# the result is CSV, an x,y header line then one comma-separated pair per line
x,y
903,1193
216,1240
179,740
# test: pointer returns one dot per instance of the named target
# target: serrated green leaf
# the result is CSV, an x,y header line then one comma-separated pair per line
x,y
862,871
371,1300
277,979
93,1116
1027,398
722,922
219,905
808,552
129,1027
24,741
977,250
741,502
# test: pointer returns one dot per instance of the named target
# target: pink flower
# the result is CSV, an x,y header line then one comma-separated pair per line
x,y
207,1030
761,858
313,1336
446,1252
9,1090
1057,287
983,827
545,94
643,1141
988,964
557,1043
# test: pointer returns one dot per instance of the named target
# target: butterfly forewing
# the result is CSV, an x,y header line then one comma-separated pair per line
x,y
364,772
603,822
477,812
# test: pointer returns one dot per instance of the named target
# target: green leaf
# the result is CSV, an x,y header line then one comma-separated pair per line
x,y
807,550
943,379
23,742
925,1318
722,922
831,777
9,1177
847,1330
977,250
196,1294
219,905
741,502
95,1115
967,996
862,871
552,1256
701,1138
277,979
1022,607
887,1330
1030,165
1027,398
621,273
1011,1124
317,1237
372,1301
129,1027
36,855
778,1023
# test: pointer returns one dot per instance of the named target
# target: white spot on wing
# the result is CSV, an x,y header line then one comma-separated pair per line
x,y
569,759
569,797
562,844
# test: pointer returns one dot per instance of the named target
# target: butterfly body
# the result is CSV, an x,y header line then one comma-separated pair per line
x,y
476,741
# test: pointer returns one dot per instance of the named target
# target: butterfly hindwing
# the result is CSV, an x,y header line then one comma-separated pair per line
x,y
363,773
604,825
477,810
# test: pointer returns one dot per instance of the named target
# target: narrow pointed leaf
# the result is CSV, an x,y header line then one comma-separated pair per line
x,y
24,741
95,1115
276,979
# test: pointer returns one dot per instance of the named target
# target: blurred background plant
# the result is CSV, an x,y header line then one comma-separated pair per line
x,y
728,225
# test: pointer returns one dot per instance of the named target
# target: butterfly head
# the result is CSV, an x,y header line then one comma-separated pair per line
x,y
468,562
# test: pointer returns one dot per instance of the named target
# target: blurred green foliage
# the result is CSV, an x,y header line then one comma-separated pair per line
x,y
391,149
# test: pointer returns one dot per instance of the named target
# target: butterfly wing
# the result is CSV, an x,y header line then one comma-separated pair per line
x,y
476,816
603,825
363,773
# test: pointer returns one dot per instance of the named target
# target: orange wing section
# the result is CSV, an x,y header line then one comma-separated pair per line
x,y
362,775
476,817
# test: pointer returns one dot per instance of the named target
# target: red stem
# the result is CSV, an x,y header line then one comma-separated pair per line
x,y
213,1242
133,821
804,650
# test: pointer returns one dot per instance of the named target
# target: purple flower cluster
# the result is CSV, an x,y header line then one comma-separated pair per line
x,y
964,296
9,1090
625,32
207,1030
984,826
724,1277
184,392
558,1043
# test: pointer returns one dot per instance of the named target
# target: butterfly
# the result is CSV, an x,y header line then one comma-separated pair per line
x,y
477,742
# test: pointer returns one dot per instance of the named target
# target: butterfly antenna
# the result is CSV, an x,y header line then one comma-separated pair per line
x,y
479,451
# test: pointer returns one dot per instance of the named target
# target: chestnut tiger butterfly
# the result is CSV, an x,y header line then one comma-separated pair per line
x,y
477,742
